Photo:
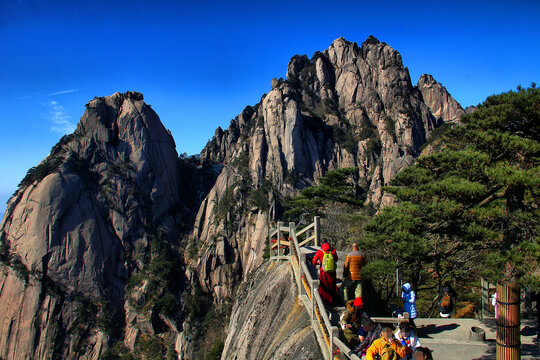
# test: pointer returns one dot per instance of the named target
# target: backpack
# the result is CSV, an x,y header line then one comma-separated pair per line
x,y
387,353
328,263
446,300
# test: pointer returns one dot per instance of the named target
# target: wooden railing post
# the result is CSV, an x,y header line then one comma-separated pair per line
x,y
301,260
317,231
292,229
293,243
278,242
508,323
313,286
270,241
334,333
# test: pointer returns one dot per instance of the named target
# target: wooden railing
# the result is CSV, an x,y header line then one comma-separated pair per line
x,y
289,248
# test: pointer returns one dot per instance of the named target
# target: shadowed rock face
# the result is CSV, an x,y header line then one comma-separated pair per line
x,y
96,211
268,321
73,228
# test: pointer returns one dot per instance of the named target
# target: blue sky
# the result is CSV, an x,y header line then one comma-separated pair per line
x,y
200,63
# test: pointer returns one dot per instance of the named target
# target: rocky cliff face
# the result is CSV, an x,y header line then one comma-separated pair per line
x,y
348,106
79,226
442,105
268,321
107,244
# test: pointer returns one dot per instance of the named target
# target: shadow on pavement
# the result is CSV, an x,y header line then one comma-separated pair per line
x,y
529,351
528,331
427,330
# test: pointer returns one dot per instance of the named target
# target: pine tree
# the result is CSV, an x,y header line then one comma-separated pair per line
x,y
336,187
473,208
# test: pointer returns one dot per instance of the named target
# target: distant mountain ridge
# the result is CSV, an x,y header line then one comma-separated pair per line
x,y
107,242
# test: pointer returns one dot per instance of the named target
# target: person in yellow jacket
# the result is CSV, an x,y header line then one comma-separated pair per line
x,y
354,262
386,347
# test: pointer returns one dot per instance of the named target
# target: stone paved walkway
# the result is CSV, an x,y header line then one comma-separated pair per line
x,y
449,339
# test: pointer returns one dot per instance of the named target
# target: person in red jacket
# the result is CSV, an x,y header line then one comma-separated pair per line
x,y
327,277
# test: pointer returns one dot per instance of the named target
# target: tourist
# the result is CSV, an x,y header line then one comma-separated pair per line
x,y
386,347
494,303
327,258
407,337
351,321
371,331
446,300
422,353
409,303
354,262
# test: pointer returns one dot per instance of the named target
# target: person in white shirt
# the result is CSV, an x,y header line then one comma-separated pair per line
x,y
408,338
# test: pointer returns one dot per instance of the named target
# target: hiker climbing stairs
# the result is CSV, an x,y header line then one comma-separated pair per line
x,y
450,337
299,247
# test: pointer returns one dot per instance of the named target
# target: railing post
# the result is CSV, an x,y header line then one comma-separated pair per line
x,y
269,241
292,227
317,227
331,349
301,260
293,243
278,242
313,286
334,333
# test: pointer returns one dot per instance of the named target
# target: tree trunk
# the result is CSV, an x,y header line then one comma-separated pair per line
x,y
508,323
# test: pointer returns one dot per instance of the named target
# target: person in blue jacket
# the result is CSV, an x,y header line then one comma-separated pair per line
x,y
409,303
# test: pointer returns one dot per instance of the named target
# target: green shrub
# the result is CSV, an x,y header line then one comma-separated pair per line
x,y
20,269
168,304
225,203
266,252
345,138
292,177
151,347
135,280
367,129
374,146
38,173
196,304
110,320
390,126
215,351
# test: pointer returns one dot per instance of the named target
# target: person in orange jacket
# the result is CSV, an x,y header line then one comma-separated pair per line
x,y
328,280
354,262
385,344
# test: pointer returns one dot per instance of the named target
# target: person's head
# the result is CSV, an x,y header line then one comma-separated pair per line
x,y
406,287
355,247
368,324
387,334
325,247
362,333
358,303
405,329
422,353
